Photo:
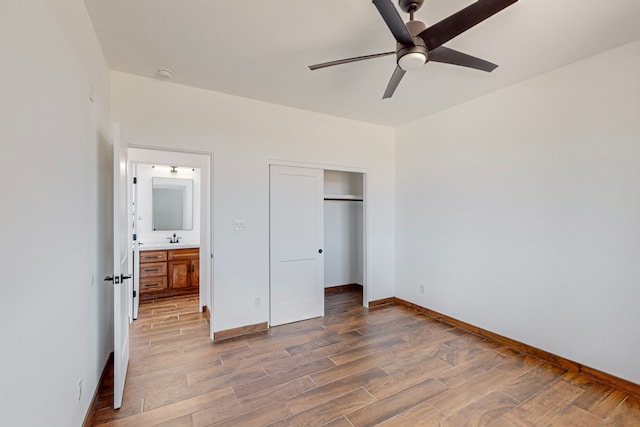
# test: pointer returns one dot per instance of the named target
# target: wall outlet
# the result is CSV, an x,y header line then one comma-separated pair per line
x,y
257,302
79,390
238,225
422,289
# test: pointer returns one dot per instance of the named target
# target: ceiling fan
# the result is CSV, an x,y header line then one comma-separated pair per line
x,y
417,44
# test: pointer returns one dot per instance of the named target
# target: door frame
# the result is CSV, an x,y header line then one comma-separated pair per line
x,y
135,261
365,212
160,155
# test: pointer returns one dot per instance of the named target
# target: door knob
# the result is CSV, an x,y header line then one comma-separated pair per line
x,y
117,279
114,279
319,251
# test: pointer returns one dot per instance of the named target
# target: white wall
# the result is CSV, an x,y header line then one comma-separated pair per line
x,y
342,242
343,183
343,221
520,212
245,136
55,181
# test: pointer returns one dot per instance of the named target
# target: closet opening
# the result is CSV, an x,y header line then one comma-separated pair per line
x,y
343,232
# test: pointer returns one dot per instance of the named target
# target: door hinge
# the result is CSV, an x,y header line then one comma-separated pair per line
x,y
134,237
135,180
134,294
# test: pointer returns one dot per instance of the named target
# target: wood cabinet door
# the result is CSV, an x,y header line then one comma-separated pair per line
x,y
195,273
179,273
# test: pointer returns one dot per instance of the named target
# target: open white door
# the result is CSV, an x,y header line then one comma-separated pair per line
x,y
122,293
297,239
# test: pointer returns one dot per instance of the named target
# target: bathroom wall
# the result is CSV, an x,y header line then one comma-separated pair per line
x,y
144,215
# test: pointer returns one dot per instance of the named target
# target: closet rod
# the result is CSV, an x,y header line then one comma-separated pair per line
x,y
343,200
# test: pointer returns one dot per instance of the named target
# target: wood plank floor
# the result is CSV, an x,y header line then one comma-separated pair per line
x,y
354,367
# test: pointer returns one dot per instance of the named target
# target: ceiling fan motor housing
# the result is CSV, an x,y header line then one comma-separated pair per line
x,y
409,6
413,57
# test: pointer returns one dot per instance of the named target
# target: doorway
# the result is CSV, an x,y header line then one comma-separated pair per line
x,y
171,221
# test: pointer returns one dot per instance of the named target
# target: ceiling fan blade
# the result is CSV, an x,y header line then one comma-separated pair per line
x,y
456,24
394,22
348,60
397,75
450,56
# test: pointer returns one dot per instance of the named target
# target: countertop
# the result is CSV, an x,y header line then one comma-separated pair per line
x,y
167,245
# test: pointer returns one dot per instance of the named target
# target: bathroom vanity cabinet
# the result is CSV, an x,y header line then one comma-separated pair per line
x,y
184,268
166,273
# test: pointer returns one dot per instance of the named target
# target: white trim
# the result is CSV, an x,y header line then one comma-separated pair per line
x,y
323,166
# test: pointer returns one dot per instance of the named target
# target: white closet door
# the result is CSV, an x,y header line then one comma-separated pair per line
x,y
297,239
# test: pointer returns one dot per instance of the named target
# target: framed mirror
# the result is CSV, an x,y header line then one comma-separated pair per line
x,y
172,201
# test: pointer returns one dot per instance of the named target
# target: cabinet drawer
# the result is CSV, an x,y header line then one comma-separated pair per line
x,y
184,253
151,284
152,256
152,269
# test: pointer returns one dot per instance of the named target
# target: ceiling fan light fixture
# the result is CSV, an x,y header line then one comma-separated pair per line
x,y
412,61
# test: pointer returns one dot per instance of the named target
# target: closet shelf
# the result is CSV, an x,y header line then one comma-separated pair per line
x,y
350,197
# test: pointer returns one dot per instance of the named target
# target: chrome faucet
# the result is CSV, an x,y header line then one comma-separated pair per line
x,y
174,239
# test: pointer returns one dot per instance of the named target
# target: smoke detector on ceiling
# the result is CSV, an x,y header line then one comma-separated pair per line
x,y
165,73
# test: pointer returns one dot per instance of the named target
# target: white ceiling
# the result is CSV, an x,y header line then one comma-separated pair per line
x,y
261,49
